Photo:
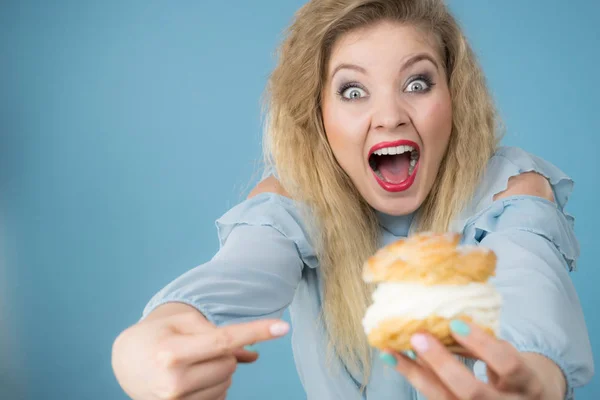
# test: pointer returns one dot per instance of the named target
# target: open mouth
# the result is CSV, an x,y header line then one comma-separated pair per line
x,y
394,164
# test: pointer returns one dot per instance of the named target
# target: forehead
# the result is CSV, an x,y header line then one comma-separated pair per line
x,y
381,41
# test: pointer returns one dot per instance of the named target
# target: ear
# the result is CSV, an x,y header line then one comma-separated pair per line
x,y
268,185
529,184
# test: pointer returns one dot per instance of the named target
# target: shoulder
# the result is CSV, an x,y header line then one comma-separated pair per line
x,y
267,205
521,192
514,172
268,185
527,184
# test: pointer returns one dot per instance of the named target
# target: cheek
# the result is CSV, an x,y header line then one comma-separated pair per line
x,y
334,132
437,125
345,133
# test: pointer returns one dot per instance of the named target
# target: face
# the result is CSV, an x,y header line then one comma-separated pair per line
x,y
387,113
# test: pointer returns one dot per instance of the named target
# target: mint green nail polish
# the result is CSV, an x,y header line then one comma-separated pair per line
x,y
388,359
250,348
410,354
459,327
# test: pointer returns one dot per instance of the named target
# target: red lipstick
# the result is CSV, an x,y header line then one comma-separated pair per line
x,y
407,183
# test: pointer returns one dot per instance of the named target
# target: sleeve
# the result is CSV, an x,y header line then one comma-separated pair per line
x,y
536,246
263,249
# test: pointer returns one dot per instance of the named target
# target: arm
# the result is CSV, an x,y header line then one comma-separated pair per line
x,y
254,274
543,317
191,338
550,374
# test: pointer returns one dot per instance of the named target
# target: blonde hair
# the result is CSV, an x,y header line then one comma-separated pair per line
x,y
345,228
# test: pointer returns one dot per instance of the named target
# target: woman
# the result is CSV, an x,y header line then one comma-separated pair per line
x,y
355,77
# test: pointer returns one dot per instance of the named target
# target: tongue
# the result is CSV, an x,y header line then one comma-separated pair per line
x,y
394,169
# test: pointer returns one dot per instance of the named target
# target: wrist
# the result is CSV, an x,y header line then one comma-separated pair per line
x,y
172,309
551,376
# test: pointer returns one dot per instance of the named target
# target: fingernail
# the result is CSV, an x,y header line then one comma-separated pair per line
x,y
251,348
459,327
388,359
410,354
279,328
419,342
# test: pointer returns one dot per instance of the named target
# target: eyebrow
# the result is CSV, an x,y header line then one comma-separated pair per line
x,y
407,64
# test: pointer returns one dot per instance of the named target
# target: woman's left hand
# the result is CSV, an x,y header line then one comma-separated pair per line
x,y
437,374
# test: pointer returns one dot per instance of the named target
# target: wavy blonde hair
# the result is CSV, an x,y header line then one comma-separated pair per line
x,y
345,229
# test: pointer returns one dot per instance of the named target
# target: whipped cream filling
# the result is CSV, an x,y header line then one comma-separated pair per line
x,y
480,301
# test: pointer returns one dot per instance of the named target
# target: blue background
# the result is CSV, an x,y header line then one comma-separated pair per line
x,y
127,128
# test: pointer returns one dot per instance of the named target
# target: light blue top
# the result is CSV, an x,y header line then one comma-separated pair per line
x,y
266,263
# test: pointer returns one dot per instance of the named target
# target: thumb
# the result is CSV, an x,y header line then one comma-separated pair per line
x,y
245,355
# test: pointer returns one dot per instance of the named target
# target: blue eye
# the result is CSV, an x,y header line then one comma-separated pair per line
x,y
419,84
353,93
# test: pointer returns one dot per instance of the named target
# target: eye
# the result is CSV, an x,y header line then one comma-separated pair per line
x,y
418,85
352,93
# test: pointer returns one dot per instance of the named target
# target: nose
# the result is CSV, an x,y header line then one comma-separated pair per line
x,y
389,113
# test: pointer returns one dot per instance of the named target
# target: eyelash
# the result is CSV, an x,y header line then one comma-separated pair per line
x,y
347,86
421,77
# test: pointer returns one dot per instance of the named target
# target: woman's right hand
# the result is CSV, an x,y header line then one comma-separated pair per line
x,y
183,356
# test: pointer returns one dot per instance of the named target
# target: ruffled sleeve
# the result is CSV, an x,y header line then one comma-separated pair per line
x,y
263,249
536,246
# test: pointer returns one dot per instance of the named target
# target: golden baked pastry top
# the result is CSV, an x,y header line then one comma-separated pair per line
x,y
430,259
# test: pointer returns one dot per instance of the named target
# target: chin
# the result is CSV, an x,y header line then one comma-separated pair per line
x,y
397,206
395,203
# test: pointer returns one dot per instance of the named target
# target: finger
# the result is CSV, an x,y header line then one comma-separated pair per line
x,y
509,369
184,380
216,392
245,355
421,378
451,372
209,373
190,349
251,333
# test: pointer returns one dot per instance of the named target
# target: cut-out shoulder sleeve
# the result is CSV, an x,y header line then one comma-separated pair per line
x,y
263,248
536,246
528,183
512,161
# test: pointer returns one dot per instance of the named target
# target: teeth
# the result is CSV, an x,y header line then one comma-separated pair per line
x,y
411,167
397,150
414,157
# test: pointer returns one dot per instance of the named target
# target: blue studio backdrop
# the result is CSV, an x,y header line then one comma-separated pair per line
x,y
128,127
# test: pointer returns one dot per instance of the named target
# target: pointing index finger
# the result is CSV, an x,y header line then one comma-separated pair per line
x,y
190,349
240,335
